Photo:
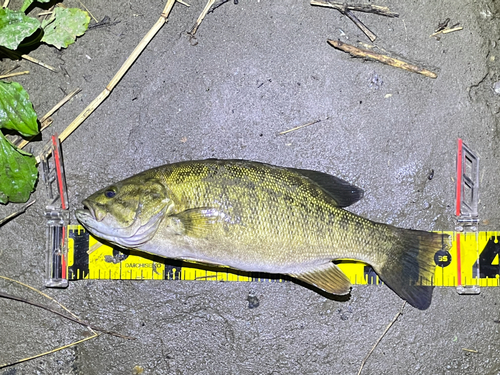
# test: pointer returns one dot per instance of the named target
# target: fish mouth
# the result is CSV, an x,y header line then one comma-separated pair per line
x,y
89,211
89,208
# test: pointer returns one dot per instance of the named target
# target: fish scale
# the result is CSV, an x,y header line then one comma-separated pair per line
x,y
313,233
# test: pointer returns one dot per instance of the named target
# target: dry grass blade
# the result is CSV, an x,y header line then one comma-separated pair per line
x,y
381,337
446,31
45,119
470,350
299,127
201,17
39,292
95,334
19,212
76,320
10,75
87,9
3,365
38,62
119,75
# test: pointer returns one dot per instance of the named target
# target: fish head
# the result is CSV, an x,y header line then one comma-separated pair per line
x,y
127,213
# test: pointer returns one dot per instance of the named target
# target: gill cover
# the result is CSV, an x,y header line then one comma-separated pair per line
x,y
127,213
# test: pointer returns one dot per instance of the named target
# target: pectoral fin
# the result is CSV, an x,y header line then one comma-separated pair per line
x,y
197,222
327,277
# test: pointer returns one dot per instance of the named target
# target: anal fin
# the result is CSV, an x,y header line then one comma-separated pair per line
x,y
328,277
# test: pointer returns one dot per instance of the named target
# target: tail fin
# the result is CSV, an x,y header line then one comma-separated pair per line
x,y
409,268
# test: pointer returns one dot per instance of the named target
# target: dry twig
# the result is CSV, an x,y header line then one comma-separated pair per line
x,y
359,52
347,9
443,28
361,25
381,337
367,8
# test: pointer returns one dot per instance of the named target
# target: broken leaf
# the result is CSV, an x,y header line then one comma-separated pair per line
x,y
65,24
18,173
16,110
14,27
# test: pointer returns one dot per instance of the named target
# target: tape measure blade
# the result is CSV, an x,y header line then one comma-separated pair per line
x,y
476,257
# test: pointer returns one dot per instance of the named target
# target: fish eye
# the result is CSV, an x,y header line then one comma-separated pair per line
x,y
110,193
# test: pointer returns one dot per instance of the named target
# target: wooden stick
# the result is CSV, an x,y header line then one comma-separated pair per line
x,y
201,17
119,75
10,75
342,7
358,52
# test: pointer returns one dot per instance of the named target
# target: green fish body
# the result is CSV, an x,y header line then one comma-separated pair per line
x,y
261,218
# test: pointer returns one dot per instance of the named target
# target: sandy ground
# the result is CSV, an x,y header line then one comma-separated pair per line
x,y
255,69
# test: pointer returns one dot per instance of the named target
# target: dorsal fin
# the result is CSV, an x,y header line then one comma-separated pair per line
x,y
341,191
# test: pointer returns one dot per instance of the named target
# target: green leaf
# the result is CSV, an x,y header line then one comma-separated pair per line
x,y
18,173
64,26
27,3
14,27
16,110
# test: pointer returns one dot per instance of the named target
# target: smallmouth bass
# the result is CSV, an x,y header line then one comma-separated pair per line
x,y
261,218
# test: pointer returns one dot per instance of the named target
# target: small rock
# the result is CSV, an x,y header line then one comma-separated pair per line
x,y
253,300
496,87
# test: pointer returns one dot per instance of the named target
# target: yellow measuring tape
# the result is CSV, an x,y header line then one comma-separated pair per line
x,y
472,260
